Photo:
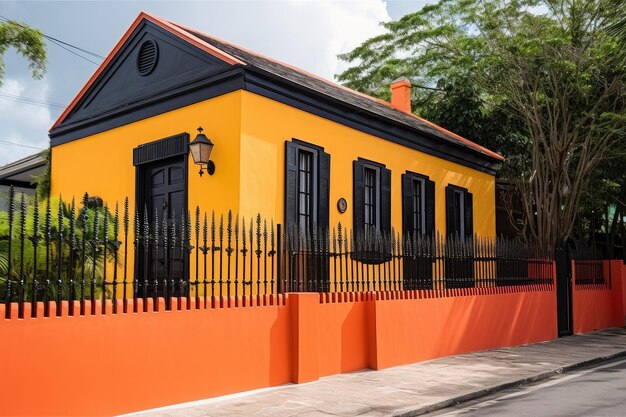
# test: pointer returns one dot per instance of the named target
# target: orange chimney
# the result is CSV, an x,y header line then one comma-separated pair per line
x,y
401,94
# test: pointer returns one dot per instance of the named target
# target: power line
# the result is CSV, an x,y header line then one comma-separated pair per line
x,y
21,144
63,44
75,53
29,100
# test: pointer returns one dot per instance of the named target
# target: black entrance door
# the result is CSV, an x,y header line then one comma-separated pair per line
x,y
162,261
563,292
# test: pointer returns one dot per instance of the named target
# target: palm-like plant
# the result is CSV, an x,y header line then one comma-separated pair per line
x,y
50,240
616,22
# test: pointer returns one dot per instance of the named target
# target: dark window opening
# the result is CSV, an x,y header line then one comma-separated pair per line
x,y
372,211
370,187
459,223
418,206
418,220
459,212
307,190
306,193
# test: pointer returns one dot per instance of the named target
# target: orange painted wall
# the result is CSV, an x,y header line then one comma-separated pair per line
x,y
599,307
593,309
416,330
343,336
112,364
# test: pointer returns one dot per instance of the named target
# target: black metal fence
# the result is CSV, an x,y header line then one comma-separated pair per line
x,y
59,251
590,266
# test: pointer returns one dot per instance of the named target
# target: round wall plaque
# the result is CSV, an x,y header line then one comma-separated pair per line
x,y
342,205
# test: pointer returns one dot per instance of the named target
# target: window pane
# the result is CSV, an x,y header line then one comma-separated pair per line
x,y
370,197
305,187
418,206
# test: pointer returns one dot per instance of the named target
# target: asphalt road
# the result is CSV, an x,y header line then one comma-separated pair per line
x,y
594,391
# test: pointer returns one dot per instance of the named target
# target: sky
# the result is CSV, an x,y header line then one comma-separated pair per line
x,y
306,33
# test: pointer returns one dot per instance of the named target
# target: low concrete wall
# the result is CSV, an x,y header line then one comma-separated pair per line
x,y
598,307
118,363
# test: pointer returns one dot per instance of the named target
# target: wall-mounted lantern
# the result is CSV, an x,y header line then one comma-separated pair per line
x,y
200,149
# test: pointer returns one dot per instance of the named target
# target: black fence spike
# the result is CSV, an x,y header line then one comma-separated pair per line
x,y
105,243
116,247
21,279
35,242
125,273
11,214
236,252
47,240
205,232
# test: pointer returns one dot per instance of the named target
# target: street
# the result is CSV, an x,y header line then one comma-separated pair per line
x,y
595,391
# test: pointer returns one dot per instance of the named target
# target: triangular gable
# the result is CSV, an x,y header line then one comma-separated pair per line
x,y
181,58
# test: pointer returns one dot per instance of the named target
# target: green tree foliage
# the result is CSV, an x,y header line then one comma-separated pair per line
x,y
27,41
616,26
72,218
540,81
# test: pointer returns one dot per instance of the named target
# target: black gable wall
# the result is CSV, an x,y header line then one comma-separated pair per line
x,y
121,84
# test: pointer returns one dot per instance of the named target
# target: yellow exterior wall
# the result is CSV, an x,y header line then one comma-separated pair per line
x,y
102,164
249,132
267,124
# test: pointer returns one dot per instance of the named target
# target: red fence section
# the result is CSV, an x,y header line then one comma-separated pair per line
x,y
600,306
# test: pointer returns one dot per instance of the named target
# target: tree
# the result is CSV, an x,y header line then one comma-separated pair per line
x,y
545,69
617,26
28,42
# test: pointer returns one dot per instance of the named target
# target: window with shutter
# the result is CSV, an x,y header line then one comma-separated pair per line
x,y
371,209
418,219
307,185
459,266
418,204
459,212
371,197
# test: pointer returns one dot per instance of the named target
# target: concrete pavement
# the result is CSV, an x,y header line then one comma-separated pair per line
x,y
417,388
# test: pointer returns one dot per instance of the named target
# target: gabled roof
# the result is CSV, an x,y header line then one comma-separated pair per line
x,y
235,56
337,91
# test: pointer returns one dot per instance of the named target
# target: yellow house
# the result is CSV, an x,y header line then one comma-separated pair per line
x,y
287,144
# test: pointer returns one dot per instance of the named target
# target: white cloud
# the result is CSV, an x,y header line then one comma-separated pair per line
x,y
20,122
339,27
306,34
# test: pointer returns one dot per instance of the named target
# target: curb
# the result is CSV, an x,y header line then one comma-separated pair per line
x,y
429,408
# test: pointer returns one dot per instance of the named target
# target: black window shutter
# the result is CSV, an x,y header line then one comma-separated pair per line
x,y
407,204
323,198
291,184
469,215
385,200
430,207
358,204
450,226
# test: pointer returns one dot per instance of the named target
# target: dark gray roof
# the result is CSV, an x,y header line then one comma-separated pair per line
x,y
337,92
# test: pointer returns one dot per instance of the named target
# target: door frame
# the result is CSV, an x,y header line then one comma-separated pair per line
x,y
149,153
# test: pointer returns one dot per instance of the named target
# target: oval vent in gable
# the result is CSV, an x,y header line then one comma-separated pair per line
x,y
147,57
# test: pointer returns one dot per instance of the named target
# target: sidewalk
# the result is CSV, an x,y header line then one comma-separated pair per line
x,y
414,389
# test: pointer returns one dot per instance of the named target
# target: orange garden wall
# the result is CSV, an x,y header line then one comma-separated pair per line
x,y
601,306
112,364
